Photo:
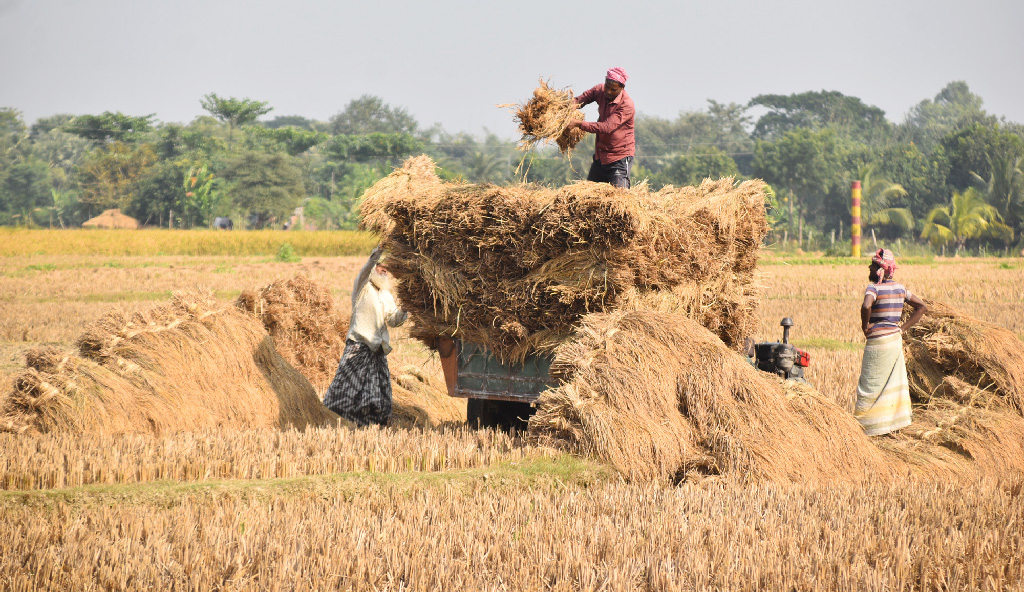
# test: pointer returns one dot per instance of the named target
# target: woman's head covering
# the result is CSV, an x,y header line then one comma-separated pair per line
x,y
886,262
617,74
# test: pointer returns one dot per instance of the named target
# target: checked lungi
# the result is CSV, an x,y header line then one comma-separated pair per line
x,y
361,389
883,393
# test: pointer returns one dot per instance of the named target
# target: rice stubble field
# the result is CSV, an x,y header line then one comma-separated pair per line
x,y
456,508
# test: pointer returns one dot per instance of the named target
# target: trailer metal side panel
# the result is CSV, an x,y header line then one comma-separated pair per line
x,y
482,376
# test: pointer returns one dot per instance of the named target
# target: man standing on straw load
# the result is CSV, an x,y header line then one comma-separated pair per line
x,y
883,393
615,146
361,389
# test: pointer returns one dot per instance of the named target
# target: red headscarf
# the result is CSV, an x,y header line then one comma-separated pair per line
x,y
617,74
886,261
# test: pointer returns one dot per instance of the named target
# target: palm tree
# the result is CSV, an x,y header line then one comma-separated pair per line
x,y
876,195
968,216
1005,186
487,168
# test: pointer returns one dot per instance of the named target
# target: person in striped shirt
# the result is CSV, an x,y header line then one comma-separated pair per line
x,y
883,392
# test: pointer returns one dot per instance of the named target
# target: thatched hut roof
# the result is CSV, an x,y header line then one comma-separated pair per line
x,y
112,218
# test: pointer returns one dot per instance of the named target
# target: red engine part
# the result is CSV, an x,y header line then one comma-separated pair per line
x,y
803,358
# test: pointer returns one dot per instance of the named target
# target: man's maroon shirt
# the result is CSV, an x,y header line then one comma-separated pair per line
x,y
614,125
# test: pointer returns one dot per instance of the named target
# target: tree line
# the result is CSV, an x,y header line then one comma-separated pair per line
x,y
949,174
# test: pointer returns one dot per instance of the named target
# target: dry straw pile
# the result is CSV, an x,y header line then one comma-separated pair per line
x,y
299,314
967,382
310,334
514,268
956,356
659,397
188,365
544,118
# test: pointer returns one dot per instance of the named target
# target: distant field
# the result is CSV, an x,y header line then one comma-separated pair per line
x,y
162,243
397,510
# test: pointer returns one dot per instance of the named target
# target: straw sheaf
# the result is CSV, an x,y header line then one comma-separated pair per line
x,y
661,398
544,118
310,334
307,330
515,267
187,365
954,355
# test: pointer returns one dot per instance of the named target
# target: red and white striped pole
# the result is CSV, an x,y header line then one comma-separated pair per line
x,y
855,223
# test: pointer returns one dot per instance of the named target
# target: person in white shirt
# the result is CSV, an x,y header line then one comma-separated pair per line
x,y
361,389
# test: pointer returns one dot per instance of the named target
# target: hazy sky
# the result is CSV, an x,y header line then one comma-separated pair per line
x,y
452,61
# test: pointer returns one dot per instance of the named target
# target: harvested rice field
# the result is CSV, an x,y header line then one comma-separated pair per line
x,y
430,504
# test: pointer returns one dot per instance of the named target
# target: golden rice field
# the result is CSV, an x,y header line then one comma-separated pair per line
x,y
458,509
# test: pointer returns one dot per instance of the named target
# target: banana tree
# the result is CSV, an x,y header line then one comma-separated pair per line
x,y
198,196
968,216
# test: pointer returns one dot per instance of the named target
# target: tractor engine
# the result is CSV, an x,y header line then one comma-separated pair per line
x,y
782,359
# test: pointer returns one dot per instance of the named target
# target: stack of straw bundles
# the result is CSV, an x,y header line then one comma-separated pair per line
x,y
513,268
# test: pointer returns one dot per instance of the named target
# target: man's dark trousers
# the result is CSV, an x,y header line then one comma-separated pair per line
x,y
616,172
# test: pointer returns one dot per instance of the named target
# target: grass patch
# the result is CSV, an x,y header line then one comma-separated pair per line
x,y
839,261
558,472
829,344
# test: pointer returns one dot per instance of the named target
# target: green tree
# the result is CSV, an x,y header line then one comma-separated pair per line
x,y
969,148
877,198
329,215
968,216
296,121
922,175
111,127
197,198
292,140
110,176
1004,188
12,133
692,169
159,191
953,108
849,116
234,112
369,114
722,126
488,167
805,163
382,148
25,186
268,186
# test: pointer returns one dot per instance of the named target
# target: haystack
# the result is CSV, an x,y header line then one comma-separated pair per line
x,y
660,398
112,219
188,365
514,268
544,118
955,356
309,332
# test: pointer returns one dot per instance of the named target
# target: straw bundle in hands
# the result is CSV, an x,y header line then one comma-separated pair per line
x,y
544,118
188,365
514,268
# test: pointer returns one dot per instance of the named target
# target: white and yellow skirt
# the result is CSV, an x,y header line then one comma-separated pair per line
x,y
883,393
